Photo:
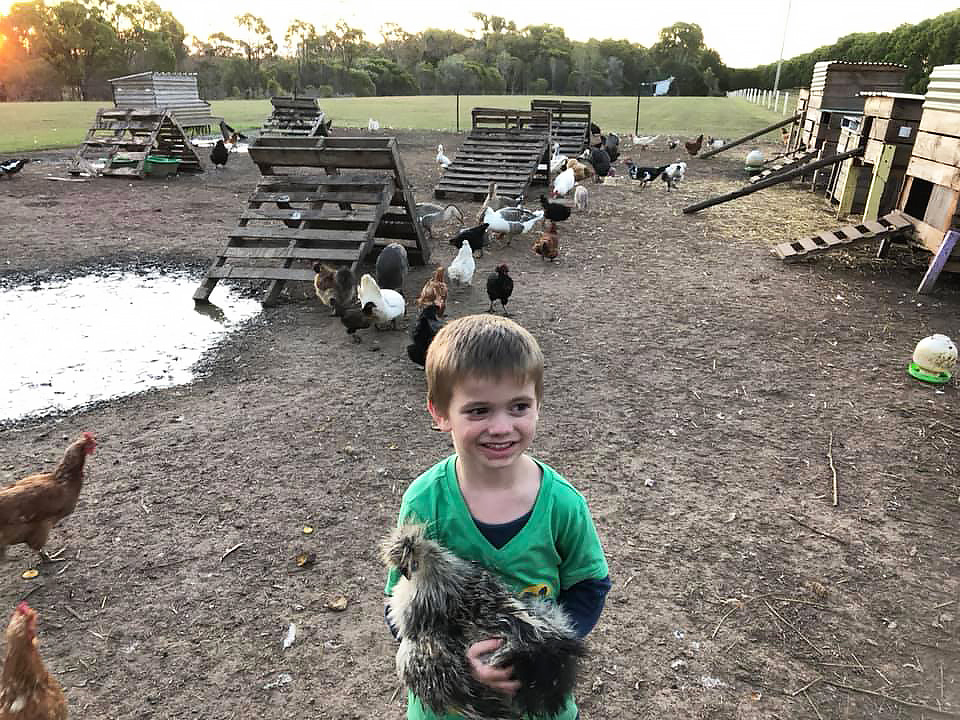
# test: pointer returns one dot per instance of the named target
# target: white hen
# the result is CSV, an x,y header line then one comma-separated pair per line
x,y
564,182
645,140
442,160
373,125
463,266
557,161
389,304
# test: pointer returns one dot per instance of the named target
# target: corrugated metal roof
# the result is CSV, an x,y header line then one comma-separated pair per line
x,y
943,92
885,93
150,74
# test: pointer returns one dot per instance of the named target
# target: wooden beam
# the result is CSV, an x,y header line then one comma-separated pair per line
x,y
849,189
774,180
751,136
881,172
939,260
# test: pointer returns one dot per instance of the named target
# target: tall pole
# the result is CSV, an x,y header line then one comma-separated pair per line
x,y
776,82
636,126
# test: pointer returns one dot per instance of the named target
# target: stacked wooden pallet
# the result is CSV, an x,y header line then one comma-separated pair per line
x,y
503,146
295,117
882,228
569,123
334,200
121,139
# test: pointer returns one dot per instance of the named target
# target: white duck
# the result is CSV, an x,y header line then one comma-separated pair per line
x,y
389,304
557,161
564,182
463,266
442,160
373,125
511,221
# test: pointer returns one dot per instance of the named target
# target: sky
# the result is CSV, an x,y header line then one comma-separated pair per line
x,y
746,33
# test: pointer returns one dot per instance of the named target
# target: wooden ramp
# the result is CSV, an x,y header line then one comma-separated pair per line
x,y
335,200
124,137
785,164
880,229
505,147
295,117
569,123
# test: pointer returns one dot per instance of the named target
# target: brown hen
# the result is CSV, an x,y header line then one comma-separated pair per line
x,y
27,690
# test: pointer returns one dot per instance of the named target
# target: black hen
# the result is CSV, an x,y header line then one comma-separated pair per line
x,y
427,327
477,236
600,161
219,154
12,167
557,212
355,318
612,146
499,287
392,266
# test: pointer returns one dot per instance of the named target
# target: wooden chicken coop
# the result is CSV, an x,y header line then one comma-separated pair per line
x,y
835,93
887,130
295,117
932,187
176,92
503,146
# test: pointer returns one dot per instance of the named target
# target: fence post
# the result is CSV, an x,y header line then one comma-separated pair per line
x,y
786,100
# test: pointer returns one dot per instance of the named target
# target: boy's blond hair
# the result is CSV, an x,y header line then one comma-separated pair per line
x,y
487,346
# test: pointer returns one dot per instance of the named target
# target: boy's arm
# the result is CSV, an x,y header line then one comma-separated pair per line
x,y
584,602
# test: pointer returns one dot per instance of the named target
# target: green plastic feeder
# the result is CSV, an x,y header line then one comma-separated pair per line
x,y
160,166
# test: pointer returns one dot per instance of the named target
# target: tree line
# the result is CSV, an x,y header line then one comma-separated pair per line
x,y
70,50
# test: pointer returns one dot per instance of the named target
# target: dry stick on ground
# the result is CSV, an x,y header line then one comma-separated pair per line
x,y
898,701
235,547
807,686
813,706
833,469
812,529
792,627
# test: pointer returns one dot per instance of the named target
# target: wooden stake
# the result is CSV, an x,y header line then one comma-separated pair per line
x,y
833,469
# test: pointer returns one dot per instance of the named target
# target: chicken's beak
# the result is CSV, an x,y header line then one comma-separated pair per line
x,y
404,571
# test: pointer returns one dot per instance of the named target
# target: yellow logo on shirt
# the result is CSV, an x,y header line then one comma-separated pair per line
x,y
539,590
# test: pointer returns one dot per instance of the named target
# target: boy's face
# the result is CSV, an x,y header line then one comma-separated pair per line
x,y
492,421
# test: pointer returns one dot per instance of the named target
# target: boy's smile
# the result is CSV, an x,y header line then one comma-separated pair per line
x,y
492,421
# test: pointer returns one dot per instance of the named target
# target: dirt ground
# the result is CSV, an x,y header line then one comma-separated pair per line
x,y
695,386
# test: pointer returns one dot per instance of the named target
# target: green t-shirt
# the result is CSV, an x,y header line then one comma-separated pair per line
x,y
556,548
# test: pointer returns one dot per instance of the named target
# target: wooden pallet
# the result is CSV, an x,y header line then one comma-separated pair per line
x,y
785,164
304,210
505,147
883,228
124,137
295,117
569,123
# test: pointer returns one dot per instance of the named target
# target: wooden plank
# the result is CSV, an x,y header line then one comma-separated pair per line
x,y
938,148
939,260
244,272
927,236
849,188
360,198
881,172
934,172
941,207
346,254
282,232
893,130
941,122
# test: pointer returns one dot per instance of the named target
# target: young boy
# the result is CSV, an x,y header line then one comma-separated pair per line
x,y
491,502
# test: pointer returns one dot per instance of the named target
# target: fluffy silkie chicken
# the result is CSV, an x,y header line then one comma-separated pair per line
x,y
423,333
27,690
500,287
463,266
32,506
442,604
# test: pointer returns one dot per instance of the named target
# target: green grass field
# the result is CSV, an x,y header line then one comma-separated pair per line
x,y
43,125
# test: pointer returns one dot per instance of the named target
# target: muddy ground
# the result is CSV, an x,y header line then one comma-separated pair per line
x,y
695,385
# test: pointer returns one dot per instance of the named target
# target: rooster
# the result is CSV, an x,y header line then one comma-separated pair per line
x,y
31,507
12,167
694,147
434,291
27,690
547,245
441,605
500,287
230,134
354,318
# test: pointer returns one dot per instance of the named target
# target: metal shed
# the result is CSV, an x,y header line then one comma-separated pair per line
x,y
176,92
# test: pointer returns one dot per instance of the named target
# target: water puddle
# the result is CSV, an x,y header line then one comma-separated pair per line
x,y
67,343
